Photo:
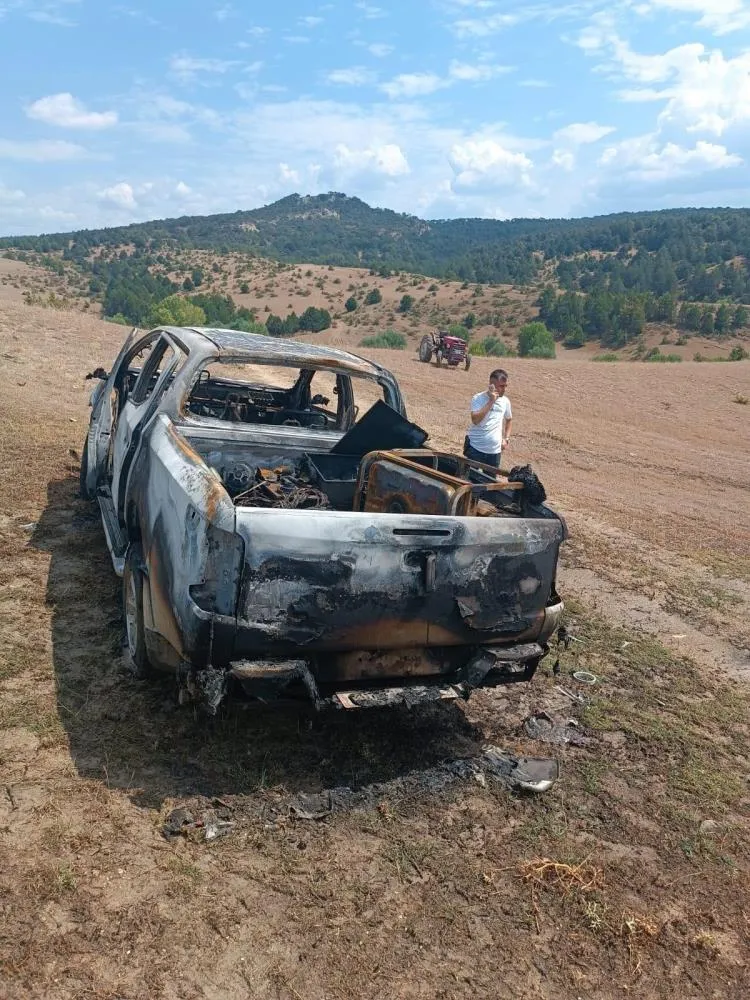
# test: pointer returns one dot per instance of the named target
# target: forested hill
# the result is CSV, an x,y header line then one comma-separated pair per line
x,y
699,254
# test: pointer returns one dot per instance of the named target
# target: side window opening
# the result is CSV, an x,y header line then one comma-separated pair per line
x,y
160,360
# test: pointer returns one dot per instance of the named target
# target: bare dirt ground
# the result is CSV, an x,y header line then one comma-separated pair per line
x,y
629,878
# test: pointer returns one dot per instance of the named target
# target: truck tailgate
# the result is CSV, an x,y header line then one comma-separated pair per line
x,y
343,581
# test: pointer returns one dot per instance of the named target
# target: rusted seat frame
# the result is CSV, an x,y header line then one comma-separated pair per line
x,y
464,491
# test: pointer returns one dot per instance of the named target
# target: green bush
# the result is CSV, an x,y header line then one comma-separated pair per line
x,y
576,338
351,304
314,319
491,347
655,355
175,310
373,297
738,354
606,357
392,339
406,304
535,341
459,330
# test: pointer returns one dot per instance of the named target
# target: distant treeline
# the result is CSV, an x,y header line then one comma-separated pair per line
x,y
698,254
614,319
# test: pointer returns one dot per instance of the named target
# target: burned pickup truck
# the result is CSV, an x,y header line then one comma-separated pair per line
x,y
282,530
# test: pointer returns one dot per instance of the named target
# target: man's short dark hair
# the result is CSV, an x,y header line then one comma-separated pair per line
x,y
500,374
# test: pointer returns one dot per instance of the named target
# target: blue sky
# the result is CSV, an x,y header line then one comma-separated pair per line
x,y
116,112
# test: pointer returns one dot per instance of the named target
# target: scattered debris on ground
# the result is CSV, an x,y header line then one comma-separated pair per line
x,y
205,825
543,727
202,820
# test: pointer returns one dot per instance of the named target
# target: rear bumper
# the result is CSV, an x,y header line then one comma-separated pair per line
x,y
279,680
355,677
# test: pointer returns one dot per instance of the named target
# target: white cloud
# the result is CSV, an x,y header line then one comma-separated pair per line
x,y
370,11
564,159
186,68
354,76
136,15
710,94
387,159
287,175
163,118
43,151
120,195
487,162
540,84
296,39
407,85
704,90
581,133
480,27
65,111
475,72
413,85
644,159
310,21
379,50
57,214
182,190
719,16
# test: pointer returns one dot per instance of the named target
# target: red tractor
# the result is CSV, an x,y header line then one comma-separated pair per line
x,y
452,350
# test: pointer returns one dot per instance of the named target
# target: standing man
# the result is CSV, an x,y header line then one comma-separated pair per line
x,y
491,420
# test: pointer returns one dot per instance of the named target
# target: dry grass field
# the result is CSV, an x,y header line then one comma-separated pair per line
x,y
628,879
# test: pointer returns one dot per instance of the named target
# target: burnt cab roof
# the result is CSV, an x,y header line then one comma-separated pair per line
x,y
238,345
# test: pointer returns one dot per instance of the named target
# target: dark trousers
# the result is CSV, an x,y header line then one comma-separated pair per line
x,y
480,456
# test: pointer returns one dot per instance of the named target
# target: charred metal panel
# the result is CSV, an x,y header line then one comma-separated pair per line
x,y
185,520
334,580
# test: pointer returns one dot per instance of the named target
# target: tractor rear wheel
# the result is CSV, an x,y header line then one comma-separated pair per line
x,y
425,348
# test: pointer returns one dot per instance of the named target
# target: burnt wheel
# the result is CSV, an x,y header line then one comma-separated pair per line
x,y
132,608
83,490
425,348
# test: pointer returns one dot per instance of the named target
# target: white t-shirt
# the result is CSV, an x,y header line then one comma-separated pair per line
x,y
487,435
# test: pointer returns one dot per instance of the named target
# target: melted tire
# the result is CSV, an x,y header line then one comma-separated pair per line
x,y
132,609
83,490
